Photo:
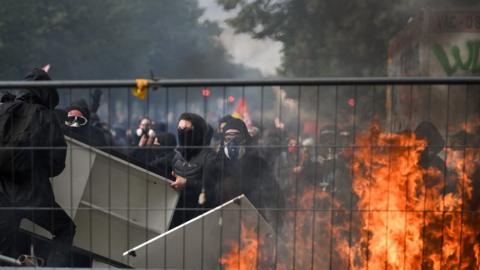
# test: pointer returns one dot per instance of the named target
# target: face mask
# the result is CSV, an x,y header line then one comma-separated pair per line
x,y
234,151
74,125
185,137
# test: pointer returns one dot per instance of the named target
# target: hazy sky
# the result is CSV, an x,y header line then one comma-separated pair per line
x,y
261,54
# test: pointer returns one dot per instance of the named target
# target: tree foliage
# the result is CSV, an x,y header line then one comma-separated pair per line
x,y
330,37
108,39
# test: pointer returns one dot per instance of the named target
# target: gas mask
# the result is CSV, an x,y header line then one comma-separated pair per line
x,y
145,131
234,149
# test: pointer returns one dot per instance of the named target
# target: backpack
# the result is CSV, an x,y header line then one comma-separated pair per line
x,y
18,133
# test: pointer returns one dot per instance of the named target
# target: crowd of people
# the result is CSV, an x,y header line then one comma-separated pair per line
x,y
207,165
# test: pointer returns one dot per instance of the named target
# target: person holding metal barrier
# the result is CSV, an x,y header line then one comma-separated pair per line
x,y
244,171
193,168
33,149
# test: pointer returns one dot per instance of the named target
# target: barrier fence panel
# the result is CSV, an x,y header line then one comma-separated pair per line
x,y
336,173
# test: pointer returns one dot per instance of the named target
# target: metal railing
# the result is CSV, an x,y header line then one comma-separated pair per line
x,y
368,173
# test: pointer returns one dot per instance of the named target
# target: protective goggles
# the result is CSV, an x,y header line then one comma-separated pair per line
x,y
80,120
233,136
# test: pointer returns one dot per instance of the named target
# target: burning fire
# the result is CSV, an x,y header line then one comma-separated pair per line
x,y
246,256
401,212
411,213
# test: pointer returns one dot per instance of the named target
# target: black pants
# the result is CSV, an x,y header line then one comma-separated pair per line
x,y
53,219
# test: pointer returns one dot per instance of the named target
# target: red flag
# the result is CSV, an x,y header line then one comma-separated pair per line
x,y
242,112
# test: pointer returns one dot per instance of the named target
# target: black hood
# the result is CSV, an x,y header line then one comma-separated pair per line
x,y
80,105
46,96
200,129
225,119
239,125
190,141
428,131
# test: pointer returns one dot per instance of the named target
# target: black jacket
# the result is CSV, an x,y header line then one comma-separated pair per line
x,y
200,174
252,177
194,160
33,187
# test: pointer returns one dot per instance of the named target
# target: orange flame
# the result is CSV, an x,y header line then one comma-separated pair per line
x,y
403,213
411,215
244,257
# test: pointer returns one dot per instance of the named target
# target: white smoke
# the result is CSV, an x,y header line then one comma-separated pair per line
x,y
264,54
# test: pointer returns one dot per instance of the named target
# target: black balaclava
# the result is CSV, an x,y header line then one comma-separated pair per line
x,y
47,96
191,140
235,149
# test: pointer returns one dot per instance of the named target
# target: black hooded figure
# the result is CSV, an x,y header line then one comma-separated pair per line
x,y
194,162
244,171
435,143
22,189
217,134
86,133
429,158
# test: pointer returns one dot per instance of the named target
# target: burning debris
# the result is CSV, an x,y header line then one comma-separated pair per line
x,y
412,205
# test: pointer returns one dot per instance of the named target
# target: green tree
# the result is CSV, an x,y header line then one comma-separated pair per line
x,y
329,37
110,39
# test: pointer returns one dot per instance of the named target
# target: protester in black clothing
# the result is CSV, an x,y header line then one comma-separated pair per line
x,y
441,181
78,125
244,171
26,185
217,134
273,143
193,168
435,143
144,134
